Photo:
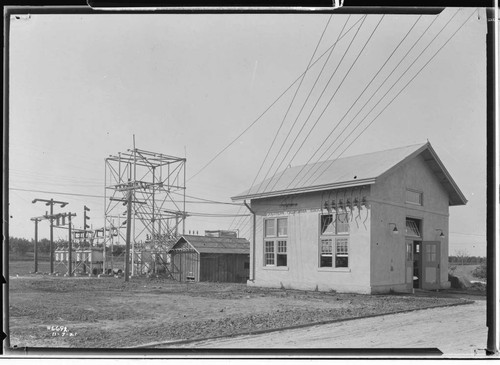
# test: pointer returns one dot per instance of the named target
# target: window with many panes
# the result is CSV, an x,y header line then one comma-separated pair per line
x,y
275,241
334,243
430,253
334,224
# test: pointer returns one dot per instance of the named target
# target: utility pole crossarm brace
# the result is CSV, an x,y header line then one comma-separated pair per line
x,y
50,202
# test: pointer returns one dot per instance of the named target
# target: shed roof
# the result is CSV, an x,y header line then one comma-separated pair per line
x,y
351,171
205,244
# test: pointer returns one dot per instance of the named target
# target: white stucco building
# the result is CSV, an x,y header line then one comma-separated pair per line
x,y
370,223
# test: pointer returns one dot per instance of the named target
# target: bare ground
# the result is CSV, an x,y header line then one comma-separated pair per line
x,y
111,313
458,331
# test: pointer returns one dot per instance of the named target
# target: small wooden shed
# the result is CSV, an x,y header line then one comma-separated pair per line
x,y
215,259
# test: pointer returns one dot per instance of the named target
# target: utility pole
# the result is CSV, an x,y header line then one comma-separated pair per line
x,y
70,247
130,188
51,202
127,242
36,220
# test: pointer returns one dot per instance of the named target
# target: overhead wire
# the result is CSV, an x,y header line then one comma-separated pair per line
x,y
468,234
293,98
357,99
57,193
392,100
331,99
442,46
203,201
214,215
291,103
310,167
305,101
264,112
208,200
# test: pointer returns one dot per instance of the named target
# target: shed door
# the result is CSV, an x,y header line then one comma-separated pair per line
x,y
430,264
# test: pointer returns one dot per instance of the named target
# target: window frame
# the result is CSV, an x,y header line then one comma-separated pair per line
x,y
336,227
279,240
418,225
335,240
419,192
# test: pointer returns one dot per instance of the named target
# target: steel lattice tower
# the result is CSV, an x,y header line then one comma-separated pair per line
x,y
158,209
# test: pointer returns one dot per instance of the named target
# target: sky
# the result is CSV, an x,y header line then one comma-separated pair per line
x,y
82,87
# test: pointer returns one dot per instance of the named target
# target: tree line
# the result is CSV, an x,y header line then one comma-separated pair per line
x,y
21,246
466,260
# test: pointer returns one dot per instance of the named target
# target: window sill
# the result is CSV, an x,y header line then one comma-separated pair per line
x,y
276,268
415,204
334,269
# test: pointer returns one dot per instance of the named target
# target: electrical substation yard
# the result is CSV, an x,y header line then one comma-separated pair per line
x,y
106,312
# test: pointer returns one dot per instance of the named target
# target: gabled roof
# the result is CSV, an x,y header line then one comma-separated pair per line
x,y
205,244
351,171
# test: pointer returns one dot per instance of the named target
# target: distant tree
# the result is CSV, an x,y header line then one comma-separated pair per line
x,y
20,245
44,245
462,256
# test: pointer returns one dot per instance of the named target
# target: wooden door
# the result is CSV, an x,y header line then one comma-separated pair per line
x,y
431,259
409,264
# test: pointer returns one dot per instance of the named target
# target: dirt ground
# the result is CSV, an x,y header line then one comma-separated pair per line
x,y
107,312
458,331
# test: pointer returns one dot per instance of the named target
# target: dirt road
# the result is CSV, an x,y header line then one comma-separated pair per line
x,y
456,331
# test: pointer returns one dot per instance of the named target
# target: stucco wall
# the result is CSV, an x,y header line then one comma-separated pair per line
x,y
388,205
302,270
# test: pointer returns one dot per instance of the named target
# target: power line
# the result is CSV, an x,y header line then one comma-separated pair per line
x,y
404,87
354,103
308,174
265,111
58,193
214,215
333,96
468,234
303,105
204,201
289,107
293,99
208,200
